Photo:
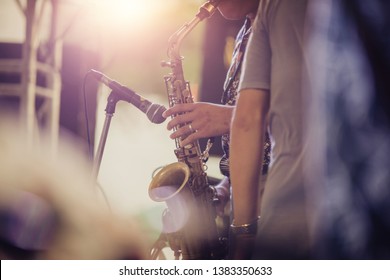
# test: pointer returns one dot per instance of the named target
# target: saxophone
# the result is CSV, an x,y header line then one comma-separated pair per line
x,y
189,222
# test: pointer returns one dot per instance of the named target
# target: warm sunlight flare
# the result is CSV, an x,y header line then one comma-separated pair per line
x,y
122,13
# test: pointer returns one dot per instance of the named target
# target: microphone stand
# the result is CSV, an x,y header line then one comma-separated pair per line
x,y
112,99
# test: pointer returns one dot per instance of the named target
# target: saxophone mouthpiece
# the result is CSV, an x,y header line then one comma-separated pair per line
x,y
207,9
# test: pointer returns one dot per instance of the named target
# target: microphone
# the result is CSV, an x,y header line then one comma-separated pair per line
x,y
152,111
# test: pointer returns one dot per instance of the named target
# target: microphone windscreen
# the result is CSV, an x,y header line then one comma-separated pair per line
x,y
154,113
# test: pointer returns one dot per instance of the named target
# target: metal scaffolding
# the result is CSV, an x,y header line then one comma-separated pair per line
x,y
45,118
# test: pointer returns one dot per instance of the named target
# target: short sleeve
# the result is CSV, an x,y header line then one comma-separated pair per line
x,y
256,71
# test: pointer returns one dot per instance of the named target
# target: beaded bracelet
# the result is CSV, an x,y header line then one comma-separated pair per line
x,y
248,229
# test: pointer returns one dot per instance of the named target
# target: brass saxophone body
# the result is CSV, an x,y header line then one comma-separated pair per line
x,y
184,185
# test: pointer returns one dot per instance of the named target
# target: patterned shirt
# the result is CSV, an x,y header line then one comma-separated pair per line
x,y
230,95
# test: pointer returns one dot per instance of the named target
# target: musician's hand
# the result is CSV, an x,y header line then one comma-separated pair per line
x,y
198,120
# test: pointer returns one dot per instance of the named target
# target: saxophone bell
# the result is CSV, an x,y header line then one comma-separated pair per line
x,y
169,186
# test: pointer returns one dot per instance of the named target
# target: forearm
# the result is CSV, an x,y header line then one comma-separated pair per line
x,y
246,153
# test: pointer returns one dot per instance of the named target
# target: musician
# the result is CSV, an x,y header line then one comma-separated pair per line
x,y
271,98
206,119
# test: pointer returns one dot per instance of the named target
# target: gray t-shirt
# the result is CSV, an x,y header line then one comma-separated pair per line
x,y
274,61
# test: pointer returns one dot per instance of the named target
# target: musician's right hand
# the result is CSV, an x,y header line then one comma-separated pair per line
x,y
198,120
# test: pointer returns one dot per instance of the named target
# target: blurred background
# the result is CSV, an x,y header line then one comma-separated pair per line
x,y
56,42
47,47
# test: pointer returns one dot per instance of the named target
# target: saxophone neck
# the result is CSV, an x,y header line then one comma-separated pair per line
x,y
174,42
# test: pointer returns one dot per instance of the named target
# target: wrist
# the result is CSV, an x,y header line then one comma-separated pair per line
x,y
244,229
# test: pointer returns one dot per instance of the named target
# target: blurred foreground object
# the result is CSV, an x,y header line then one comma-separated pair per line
x,y
49,208
349,56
